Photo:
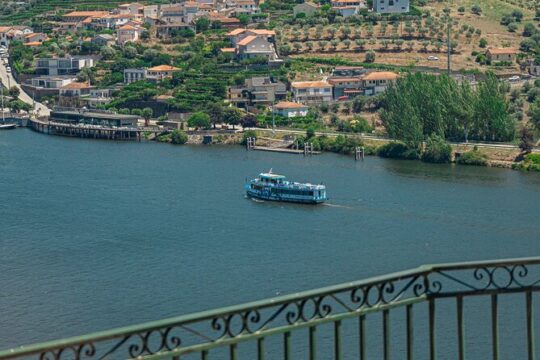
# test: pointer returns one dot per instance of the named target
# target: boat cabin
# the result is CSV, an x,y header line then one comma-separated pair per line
x,y
271,178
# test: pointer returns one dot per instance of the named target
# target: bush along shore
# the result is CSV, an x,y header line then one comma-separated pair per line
x,y
434,150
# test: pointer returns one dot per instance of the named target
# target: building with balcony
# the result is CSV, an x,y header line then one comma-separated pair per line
x,y
257,91
378,81
312,92
158,73
79,16
69,95
63,66
128,33
132,75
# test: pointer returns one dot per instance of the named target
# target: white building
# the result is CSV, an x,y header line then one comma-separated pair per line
x,y
290,109
132,75
390,6
310,92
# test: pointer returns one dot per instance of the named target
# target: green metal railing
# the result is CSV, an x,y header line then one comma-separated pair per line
x,y
203,333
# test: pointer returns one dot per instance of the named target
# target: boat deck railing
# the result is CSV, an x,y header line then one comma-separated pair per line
x,y
397,313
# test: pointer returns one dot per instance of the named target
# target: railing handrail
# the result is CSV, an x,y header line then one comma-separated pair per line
x,y
415,273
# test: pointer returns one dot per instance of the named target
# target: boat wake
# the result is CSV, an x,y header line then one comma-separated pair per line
x,y
337,206
257,200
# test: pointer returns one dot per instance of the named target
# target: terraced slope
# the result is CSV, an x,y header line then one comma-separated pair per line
x,y
44,6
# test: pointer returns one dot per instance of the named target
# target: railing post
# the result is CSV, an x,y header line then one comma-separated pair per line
x,y
432,336
362,337
312,343
386,334
287,345
260,348
337,340
495,326
410,332
460,328
530,326
233,351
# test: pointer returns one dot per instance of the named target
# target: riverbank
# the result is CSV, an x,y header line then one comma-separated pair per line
x,y
491,155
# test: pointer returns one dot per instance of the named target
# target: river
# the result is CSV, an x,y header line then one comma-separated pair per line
x,y
97,234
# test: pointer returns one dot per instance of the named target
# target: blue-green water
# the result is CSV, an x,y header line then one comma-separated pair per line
x,y
97,234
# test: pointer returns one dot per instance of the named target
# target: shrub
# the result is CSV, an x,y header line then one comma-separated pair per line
x,y
437,150
179,137
473,157
248,134
397,150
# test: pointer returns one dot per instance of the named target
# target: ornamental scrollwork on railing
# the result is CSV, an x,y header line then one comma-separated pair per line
x,y
427,282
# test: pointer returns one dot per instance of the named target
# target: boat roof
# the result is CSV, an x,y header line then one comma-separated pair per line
x,y
271,176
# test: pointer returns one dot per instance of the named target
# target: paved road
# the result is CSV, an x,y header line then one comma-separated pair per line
x,y
377,138
8,80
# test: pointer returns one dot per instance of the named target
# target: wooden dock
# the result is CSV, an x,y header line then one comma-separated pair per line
x,y
282,150
90,131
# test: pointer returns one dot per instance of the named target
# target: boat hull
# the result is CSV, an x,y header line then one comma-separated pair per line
x,y
272,197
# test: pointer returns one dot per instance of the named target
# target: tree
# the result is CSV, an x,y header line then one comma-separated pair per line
x,y
179,137
370,56
107,52
215,112
534,113
358,104
244,19
249,120
512,27
86,75
147,114
517,15
202,24
476,9
483,43
198,120
529,30
14,92
526,136
232,116
437,150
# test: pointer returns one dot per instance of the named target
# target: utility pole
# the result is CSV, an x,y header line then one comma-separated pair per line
x,y
274,115
2,95
449,45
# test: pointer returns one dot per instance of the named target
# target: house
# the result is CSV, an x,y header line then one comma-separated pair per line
x,y
128,33
311,92
95,98
237,35
70,94
111,21
347,81
255,46
500,54
290,109
247,7
132,75
103,40
257,91
51,82
10,33
45,85
347,8
378,81
226,22
307,8
63,66
35,38
134,9
391,6
79,16
160,72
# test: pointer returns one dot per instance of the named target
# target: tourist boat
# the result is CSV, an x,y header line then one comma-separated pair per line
x,y
8,126
270,186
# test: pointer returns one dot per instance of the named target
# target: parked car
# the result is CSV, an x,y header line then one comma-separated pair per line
x,y
8,69
514,78
342,98
432,58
